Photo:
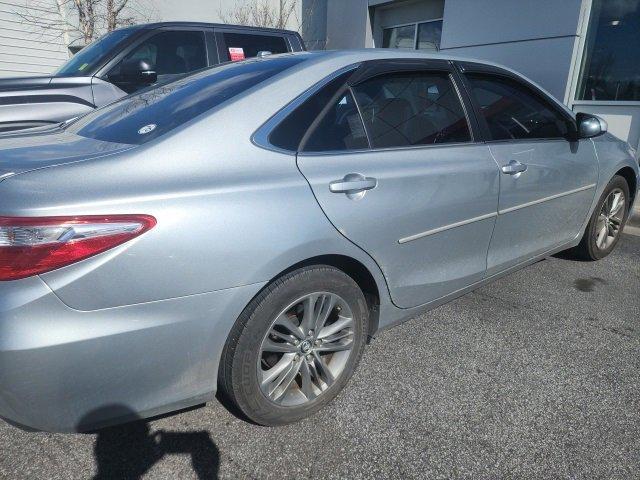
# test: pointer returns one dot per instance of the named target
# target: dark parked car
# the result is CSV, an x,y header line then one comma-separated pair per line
x,y
128,59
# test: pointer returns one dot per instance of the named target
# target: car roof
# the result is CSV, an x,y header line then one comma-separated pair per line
x,y
150,26
359,55
346,57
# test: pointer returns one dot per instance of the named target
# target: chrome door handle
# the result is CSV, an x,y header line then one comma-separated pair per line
x,y
353,183
514,167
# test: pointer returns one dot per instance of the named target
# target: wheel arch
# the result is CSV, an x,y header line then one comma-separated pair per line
x,y
630,176
357,271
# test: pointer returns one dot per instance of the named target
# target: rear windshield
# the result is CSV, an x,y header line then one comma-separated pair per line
x,y
139,118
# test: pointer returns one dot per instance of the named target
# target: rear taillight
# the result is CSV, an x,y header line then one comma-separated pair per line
x,y
33,245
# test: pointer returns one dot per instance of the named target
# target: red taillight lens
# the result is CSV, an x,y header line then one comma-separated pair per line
x,y
33,245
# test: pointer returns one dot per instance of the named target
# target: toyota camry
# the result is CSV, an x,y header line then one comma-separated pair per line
x,y
247,229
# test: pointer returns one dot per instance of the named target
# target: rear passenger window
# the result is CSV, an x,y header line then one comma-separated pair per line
x,y
249,45
288,134
340,128
514,111
412,108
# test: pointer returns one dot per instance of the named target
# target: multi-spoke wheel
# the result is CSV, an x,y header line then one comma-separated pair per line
x,y
295,346
306,348
610,219
606,223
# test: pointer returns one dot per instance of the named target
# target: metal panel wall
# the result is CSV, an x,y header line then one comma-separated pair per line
x,y
535,37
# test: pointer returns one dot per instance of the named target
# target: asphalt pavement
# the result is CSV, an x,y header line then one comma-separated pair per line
x,y
534,376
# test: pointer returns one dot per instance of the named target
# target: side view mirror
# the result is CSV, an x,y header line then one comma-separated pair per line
x,y
589,125
138,71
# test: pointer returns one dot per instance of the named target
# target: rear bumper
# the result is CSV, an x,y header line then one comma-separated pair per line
x,y
67,370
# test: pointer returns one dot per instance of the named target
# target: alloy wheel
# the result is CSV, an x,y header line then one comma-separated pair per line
x,y
610,219
306,349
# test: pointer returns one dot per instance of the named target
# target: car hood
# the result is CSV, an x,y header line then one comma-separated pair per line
x,y
49,147
24,83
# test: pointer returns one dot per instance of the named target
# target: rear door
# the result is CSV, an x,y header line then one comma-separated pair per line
x,y
393,163
238,44
547,179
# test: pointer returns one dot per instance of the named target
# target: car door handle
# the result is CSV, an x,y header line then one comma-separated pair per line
x,y
514,167
353,183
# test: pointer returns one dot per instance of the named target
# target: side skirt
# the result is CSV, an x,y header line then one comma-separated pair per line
x,y
391,316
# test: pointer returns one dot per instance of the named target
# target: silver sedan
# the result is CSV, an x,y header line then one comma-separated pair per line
x,y
247,229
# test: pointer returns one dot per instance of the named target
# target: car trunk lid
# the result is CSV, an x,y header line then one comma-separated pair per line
x,y
48,147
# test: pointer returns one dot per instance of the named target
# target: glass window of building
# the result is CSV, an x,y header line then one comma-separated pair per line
x,y
429,34
611,62
399,37
421,36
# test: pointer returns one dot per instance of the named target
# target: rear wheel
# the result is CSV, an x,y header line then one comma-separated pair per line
x,y
295,346
607,221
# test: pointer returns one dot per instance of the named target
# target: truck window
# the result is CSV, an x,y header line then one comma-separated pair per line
x,y
246,45
169,52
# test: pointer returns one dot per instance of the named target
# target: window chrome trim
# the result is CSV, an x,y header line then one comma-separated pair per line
x,y
260,137
530,140
447,227
390,149
546,199
608,103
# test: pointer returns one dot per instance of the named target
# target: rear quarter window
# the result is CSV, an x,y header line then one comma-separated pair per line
x,y
149,114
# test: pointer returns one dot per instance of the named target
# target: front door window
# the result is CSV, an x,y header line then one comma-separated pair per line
x,y
169,53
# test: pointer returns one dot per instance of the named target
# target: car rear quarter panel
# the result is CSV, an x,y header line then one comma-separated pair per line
x,y
58,370
229,214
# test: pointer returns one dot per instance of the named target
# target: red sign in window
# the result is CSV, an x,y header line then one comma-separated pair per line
x,y
236,54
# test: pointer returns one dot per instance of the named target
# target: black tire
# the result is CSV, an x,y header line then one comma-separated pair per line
x,y
238,381
588,249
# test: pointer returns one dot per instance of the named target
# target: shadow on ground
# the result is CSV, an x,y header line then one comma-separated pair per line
x,y
130,450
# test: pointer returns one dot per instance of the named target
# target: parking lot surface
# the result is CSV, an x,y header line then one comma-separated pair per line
x,y
536,375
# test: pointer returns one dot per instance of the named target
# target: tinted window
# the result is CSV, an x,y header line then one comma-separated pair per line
x,y
412,108
611,55
91,55
251,44
138,118
171,52
339,129
514,111
288,134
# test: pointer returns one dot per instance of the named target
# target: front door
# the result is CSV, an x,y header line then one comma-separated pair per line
x,y
398,173
171,52
547,182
